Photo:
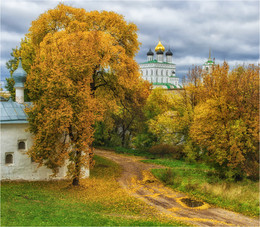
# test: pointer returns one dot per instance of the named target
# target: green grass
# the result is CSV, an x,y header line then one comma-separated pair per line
x,y
128,151
200,181
99,201
178,164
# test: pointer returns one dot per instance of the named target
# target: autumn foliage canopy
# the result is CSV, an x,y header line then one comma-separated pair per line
x,y
79,63
226,119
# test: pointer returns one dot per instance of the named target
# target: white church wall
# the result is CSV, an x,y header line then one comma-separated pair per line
x,y
22,167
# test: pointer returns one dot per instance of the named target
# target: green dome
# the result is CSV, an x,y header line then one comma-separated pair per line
x,y
19,75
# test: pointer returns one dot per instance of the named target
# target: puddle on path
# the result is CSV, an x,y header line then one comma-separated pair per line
x,y
191,202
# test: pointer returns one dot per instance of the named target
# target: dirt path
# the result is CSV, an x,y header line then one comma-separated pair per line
x,y
138,181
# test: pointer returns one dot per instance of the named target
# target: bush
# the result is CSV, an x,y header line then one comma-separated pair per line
x,y
103,136
144,141
166,150
168,177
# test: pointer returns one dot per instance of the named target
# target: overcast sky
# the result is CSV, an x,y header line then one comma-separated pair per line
x,y
229,27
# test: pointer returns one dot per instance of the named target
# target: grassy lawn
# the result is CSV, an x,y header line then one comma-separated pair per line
x,y
99,201
200,181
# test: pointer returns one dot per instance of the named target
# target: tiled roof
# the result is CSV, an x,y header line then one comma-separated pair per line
x,y
13,112
168,85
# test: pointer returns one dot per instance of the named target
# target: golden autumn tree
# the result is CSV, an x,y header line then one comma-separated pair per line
x,y
80,56
226,121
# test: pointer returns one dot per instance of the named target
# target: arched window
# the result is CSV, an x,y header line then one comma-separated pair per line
x,y
21,145
156,72
9,159
151,72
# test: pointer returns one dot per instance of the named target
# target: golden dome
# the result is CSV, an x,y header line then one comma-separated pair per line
x,y
159,46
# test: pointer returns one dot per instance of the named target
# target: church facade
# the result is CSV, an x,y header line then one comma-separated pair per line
x,y
160,71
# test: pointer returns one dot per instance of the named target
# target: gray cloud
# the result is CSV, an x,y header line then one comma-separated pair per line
x,y
190,28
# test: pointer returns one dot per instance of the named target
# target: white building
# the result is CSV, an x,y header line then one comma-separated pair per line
x,y
16,140
207,67
160,71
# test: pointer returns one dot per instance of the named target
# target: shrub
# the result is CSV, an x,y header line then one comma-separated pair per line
x,y
166,150
168,177
144,141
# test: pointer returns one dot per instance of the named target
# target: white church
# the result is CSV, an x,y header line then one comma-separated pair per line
x,y
161,70
16,140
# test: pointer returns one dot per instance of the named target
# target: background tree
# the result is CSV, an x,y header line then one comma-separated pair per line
x,y
226,121
129,116
157,103
124,119
170,115
79,56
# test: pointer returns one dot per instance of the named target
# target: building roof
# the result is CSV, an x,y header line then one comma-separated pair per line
x,y
19,75
13,112
159,51
168,85
169,52
150,52
159,47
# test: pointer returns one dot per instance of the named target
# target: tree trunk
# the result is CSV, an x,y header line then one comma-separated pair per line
x,y
123,136
75,181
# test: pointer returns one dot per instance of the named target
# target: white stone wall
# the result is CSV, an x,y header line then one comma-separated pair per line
x,y
159,73
19,94
22,168
169,58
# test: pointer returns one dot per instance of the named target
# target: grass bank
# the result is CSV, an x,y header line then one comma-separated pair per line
x,y
200,181
99,201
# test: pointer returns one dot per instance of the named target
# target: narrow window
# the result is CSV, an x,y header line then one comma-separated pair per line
x,y
9,159
21,145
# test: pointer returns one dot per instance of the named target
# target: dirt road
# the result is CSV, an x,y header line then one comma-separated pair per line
x,y
139,182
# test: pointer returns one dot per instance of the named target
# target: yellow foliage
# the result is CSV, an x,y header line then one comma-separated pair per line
x,y
226,121
83,62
